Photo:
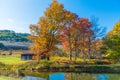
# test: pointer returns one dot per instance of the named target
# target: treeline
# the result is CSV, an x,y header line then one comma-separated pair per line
x,y
12,36
80,37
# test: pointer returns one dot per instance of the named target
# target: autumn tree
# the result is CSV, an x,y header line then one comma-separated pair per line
x,y
45,33
84,36
112,42
80,31
75,36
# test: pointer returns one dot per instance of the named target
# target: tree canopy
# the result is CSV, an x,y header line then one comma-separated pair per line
x,y
112,42
59,25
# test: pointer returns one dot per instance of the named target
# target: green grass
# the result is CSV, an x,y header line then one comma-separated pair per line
x,y
15,59
9,78
8,59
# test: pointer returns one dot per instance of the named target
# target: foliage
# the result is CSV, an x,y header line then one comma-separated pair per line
x,y
44,34
9,35
80,37
76,36
2,46
59,52
10,75
112,42
44,63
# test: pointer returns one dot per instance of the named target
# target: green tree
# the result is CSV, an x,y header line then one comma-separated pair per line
x,y
112,42
2,46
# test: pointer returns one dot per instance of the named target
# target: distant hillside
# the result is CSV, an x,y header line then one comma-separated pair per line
x,y
7,45
10,35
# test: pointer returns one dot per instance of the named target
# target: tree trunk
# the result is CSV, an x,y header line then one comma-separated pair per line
x,y
47,58
83,53
70,54
89,48
75,45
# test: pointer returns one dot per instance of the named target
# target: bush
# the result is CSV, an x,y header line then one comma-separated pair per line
x,y
28,65
112,54
102,62
44,63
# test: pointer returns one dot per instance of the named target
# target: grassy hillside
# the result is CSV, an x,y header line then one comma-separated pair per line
x,y
11,40
9,35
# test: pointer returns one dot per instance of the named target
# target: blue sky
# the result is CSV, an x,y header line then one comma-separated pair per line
x,y
19,14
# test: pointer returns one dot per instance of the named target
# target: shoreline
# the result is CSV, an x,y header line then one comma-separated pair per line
x,y
93,69
79,69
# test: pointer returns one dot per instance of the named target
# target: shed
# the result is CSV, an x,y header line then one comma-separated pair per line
x,y
27,56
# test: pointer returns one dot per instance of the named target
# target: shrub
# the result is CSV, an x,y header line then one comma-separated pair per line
x,y
102,62
112,54
44,63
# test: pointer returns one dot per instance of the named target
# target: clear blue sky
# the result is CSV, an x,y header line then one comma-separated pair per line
x,y
19,14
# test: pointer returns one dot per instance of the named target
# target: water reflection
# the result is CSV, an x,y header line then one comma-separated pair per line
x,y
34,78
58,76
74,76
102,77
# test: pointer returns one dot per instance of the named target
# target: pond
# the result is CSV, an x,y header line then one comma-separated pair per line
x,y
72,76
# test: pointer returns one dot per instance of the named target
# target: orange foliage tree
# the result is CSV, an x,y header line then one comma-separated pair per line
x,y
76,36
44,34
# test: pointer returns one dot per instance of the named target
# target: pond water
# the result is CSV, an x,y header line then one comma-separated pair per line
x,y
73,76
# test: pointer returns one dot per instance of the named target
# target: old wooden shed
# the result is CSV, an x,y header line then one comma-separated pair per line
x,y
27,56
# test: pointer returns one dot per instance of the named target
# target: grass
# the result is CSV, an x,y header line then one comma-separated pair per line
x,y
11,60
9,78
15,59
14,62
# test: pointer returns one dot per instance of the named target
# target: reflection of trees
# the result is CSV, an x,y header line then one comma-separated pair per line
x,y
113,77
37,75
72,76
85,76
79,76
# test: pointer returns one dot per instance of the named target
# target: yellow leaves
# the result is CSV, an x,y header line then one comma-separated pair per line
x,y
44,34
69,16
110,33
41,40
55,11
115,31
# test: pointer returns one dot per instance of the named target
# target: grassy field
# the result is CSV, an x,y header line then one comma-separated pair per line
x,y
11,59
8,59
9,78
16,59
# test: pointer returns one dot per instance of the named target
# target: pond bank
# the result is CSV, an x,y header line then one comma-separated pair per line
x,y
59,66
83,68
46,71
70,76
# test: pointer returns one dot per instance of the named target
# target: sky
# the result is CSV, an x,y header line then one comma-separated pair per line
x,y
17,15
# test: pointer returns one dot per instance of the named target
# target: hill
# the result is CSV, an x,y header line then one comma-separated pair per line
x,y
12,36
